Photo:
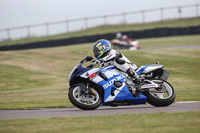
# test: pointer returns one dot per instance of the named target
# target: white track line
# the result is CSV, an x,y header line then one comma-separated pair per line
x,y
188,102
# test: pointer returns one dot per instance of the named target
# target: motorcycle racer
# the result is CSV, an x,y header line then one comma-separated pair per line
x,y
117,81
106,56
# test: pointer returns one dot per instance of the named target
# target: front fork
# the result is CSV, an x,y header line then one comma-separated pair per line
x,y
85,88
88,89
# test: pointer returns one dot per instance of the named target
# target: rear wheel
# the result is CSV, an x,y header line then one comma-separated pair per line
x,y
89,101
162,96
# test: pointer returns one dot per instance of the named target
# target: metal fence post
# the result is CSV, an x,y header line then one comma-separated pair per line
x,y
161,14
124,18
143,17
105,21
179,11
197,10
28,31
8,33
47,29
67,26
86,25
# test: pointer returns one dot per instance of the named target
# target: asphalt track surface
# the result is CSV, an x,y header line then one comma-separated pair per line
x,y
102,110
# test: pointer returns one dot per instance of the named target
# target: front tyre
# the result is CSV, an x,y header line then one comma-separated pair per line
x,y
89,101
162,96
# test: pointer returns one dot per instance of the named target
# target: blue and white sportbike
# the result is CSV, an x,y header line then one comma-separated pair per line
x,y
91,87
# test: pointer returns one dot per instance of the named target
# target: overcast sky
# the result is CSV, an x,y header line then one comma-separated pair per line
x,y
26,12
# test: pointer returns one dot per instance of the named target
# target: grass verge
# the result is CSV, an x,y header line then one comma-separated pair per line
x,y
127,123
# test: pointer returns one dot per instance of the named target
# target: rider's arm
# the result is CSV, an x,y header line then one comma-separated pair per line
x,y
110,57
94,63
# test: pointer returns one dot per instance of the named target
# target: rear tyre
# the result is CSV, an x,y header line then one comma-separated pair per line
x,y
161,99
83,101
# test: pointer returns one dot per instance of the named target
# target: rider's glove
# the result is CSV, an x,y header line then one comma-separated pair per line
x,y
95,63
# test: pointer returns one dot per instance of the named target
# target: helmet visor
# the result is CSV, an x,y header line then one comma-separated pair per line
x,y
97,51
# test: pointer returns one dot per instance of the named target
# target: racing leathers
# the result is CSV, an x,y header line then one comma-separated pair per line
x,y
118,60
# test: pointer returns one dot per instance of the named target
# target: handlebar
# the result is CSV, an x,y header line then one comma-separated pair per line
x,y
94,63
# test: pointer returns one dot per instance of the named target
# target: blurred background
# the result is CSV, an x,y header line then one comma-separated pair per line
x,y
34,18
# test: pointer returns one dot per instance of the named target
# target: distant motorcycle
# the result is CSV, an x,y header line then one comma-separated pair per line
x,y
132,45
91,87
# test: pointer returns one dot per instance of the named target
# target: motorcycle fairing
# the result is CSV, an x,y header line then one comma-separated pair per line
x,y
77,71
148,68
121,93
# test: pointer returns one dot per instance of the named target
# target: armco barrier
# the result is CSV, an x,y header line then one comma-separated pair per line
x,y
195,30
158,32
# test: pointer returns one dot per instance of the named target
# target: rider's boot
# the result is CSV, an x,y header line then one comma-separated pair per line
x,y
133,75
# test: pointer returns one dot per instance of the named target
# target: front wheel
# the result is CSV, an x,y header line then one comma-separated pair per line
x,y
162,96
89,101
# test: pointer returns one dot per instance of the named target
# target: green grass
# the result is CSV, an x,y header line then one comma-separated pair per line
x,y
111,29
21,77
170,41
39,78
127,123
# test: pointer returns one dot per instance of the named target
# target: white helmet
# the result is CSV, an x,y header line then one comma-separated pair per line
x,y
118,35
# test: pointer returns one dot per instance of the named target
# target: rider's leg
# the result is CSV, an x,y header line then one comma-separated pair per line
x,y
127,68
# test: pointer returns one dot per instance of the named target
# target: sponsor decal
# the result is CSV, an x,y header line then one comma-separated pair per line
x,y
112,81
148,86
92,76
